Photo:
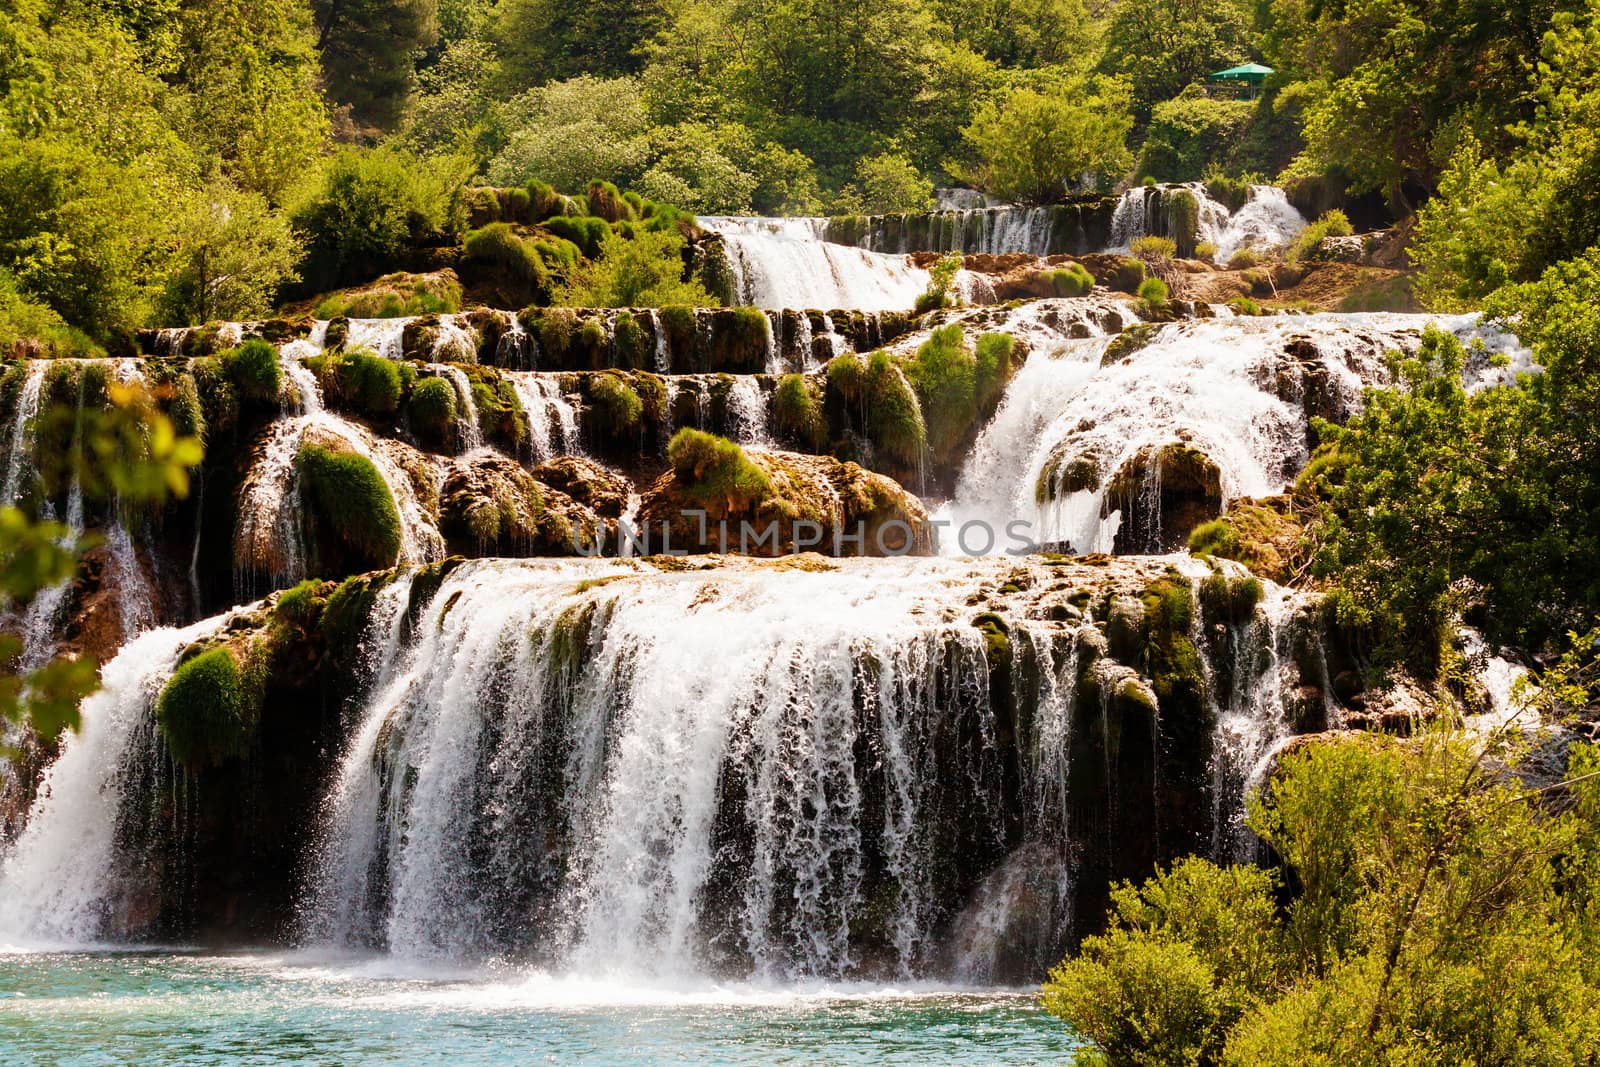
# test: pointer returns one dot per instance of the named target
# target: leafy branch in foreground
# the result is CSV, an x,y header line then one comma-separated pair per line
x,y
131,450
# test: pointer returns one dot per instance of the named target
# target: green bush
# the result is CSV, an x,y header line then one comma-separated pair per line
x,y
298,605
716,472
1244,259
349,495
944,372
847,375
1153,296
941,277
629,340
205,711
994,351
1153,248
1332,224
432,410
617,406
1187,133
254,370
367,383
1072,280
497,249
797,411
1206,251
586,232
894,420
1130,274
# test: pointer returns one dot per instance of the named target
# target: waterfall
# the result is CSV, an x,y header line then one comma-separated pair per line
x,y
454,343
1235,391
552,420
747,412
59,883
1266,220
19,453
467,419
515,348
386,337
307,393
550,764
971,231
786,263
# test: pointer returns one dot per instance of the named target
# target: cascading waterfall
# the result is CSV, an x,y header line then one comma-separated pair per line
x,y
973,231
786,263
747,412
1068,424
467,425
455,341
1265,221
306,392
552,420
385,337
58,887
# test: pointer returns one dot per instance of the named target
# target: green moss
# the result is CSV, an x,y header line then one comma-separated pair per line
x,y
617,406
1063,477
1170,659
678,321
357,380
996,638
254,370
219,400
432,410
556,328
1128,342
1073,280
501,419
184,408
994,367
1230,600
629,341
716,473
593,337
894,419
1153,295
586,232
349,495
205,712
1128,276
748,327
797,411
944,372
497,252
300,605
847,375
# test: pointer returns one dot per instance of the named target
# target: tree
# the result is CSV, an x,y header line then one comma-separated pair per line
x,y
885,184
1033,145
1190,133
1026,33
369,49
646,270
568,133
1162,46
231,254
551,40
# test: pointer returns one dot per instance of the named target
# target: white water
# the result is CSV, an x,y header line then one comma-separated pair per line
x,y
785,263
552,420
455,342
975,230
467,426
307,393
56,886
1205,383
1266,221
643,733
19,453
747,412
386,337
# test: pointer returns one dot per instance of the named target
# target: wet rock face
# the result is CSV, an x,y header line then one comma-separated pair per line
x,y
1163,492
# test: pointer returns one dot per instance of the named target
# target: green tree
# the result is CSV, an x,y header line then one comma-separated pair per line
x,y
1033,145
230,255
1190,133
1027,33
551,40
885,184
1162,46
369,49
570,132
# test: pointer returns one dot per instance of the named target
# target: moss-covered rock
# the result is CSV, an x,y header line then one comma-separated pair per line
x,y
797,412
1163,493
206,712
353,516
432,412
1267,535
490,506
253,368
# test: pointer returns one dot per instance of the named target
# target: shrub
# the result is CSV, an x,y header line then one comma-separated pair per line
x,y
1244,259
945,372
432,410
617,406
941,276
1206,250
1306,246
1188,131
848,375
643,271
586,232
349,495
254,370
797,411
298,604
1243,305
994,367
365,382
1153,297
894,420
1153,248
497,249
607,203
1129,275
629,339
205,712
716,472
1072,280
